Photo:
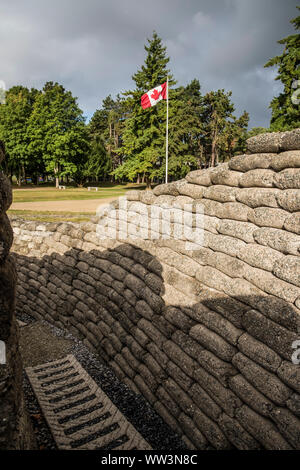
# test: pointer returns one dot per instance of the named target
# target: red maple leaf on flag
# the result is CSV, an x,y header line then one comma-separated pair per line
x,y
155,94
151,97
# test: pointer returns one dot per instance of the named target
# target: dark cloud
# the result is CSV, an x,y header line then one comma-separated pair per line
x,y
93,47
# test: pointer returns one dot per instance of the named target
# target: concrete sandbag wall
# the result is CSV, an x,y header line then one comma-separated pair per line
x,y
209,335
15,431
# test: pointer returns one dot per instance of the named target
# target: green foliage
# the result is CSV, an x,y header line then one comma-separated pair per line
x,y
224,134
285,113
57,133
105,130
233,141
143,146
256,131
185,126
45,132
14,118
202,130
98,164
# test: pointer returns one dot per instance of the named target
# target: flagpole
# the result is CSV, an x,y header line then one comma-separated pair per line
x,y
167,130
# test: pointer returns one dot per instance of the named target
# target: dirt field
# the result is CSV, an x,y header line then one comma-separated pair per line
x,y
88,205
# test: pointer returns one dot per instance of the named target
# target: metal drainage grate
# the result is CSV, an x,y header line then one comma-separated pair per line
x,y
79,414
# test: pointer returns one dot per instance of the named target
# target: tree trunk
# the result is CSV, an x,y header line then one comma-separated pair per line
x,y
56,169
148,182
213,149
23,173
110,136
214,141
19,177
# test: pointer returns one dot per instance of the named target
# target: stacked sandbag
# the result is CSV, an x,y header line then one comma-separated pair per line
x,y
207,335
15,432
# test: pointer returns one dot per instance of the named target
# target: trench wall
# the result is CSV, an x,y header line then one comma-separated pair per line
x,y
15,431
207,334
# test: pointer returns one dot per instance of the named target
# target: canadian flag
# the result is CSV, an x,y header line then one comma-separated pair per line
x,y
154,96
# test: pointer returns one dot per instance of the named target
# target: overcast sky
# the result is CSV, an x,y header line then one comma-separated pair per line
x,y
93,47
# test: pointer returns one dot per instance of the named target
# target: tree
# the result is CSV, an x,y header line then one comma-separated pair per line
x,y
224,134
14,118
285,112
218,108
98,164
143,146
57,133
256,131
105,129
234,136
185,130
194,109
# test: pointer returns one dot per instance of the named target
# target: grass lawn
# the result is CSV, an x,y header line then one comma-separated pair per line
x,y
48,207
36,194
49,216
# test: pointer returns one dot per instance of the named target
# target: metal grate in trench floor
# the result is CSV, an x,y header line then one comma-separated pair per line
x,y
79,414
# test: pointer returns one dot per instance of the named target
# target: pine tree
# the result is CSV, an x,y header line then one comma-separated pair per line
x,y
185,130
256,131
285,112
143,146
98,164
195,126
105,129
234,136
218,109
224,134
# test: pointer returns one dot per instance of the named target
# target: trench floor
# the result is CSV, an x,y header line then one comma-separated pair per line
x,y
42,343
80,415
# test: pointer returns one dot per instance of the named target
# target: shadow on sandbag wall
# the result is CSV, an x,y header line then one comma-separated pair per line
x,y
218,371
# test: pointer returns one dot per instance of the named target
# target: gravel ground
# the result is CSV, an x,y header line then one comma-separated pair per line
x,y
133,406
37,349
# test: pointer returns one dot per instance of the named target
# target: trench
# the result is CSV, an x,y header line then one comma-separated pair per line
x,y
41,342
205,337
